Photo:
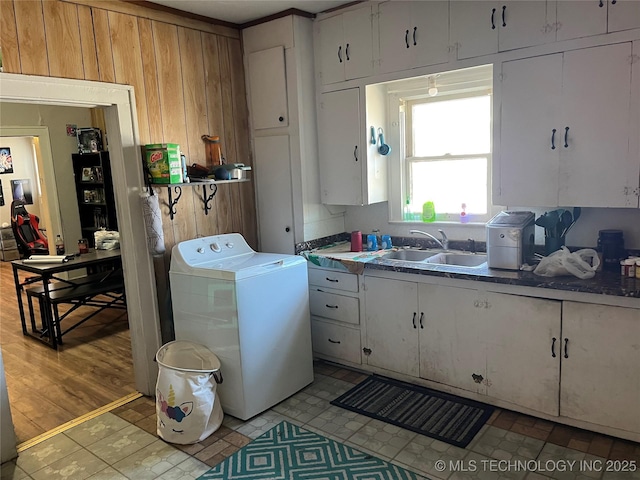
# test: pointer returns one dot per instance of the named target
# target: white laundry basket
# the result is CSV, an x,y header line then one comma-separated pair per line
x,y
187,406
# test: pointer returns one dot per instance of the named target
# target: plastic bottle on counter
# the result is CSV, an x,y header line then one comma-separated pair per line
x,y
59,245
356,241
428,212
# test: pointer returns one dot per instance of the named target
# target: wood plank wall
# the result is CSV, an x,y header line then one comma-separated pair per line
x,y
188,78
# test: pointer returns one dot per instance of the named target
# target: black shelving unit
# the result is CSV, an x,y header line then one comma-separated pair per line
x,y
94,188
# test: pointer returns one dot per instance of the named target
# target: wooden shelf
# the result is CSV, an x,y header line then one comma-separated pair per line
x,y
206,198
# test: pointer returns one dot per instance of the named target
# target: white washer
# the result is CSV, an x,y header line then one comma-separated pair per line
x,y
252,310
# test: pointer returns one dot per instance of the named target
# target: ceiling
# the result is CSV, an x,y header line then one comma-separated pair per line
x,y
243,11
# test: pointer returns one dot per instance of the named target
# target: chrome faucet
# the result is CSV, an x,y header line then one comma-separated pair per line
x,y
444,244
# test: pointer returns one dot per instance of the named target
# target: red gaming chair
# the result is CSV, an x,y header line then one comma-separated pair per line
x,y
26,229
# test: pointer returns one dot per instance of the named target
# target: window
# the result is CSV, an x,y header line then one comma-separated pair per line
x,y
445,145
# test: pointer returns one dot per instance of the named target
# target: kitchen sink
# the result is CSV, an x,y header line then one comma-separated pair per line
x,y
459,259
410,255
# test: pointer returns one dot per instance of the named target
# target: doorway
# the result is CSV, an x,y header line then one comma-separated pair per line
x,y
120,116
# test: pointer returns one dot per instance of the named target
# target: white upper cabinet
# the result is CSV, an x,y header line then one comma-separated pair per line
x,y
580,19
484,27
529,132
567,130
341,155
413,34
594,17
623,15
346,46
268,88
596,168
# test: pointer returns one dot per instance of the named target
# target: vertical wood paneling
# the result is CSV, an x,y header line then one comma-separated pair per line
x,y
229,136
127,63
167,49
207,224
240,109
88,44
63,40
236,207
9,38
150,73
103,45
245,209
194,92
223,197
31,37
212,85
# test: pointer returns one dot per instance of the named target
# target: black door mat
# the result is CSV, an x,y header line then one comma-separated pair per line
x,y
451,419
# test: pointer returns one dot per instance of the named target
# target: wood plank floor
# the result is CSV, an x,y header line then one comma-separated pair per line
x,y
47,387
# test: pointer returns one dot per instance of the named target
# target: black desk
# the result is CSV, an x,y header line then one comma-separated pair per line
x,y
45,273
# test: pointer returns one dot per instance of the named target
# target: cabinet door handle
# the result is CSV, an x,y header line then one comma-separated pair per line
x,y
414,319
334,341
406,38
330,306
331,279
281,118
601,4
355,152
553,139
346,51
504,24
421,317
415,29
566,352
493,14
553,347
613,2
340,53
566,136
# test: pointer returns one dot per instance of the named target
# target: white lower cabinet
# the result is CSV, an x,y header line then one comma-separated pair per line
x,y
335,340
600,360
452,340
335,314
483,342
392,319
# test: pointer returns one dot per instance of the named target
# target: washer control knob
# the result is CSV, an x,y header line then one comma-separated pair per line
x,y
229,244
200,250
215,247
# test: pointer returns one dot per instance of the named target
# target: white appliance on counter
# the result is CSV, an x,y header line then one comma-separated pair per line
x,y
252,310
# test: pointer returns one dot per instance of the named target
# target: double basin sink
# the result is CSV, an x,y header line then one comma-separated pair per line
x,y
472,260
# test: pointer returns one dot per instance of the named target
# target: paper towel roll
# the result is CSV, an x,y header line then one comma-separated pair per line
x,y
47,259
153,223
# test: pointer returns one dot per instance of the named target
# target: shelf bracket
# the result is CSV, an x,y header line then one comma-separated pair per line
x,y
206,199
173,202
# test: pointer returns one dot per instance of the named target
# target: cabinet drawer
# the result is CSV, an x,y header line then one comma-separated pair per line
x,y
336,307
9,244
335,341
333,279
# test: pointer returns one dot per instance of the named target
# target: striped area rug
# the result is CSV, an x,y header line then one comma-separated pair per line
x,y
288,452
446,417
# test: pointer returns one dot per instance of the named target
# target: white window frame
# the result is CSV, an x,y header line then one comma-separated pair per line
x,y
399,172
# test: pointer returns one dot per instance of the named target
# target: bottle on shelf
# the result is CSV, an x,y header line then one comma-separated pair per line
x,y
59,245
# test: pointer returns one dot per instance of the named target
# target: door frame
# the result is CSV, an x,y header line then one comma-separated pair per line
x,y
119,104
50,209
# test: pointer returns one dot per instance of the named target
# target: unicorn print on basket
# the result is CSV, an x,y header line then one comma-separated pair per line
x,y
173,413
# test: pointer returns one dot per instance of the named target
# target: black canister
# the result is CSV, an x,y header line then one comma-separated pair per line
x,y
611,244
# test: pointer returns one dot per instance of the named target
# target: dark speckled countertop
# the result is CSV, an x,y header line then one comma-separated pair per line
x,y
604,283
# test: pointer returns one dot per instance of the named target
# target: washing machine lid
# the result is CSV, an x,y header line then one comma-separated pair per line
x,y
226,257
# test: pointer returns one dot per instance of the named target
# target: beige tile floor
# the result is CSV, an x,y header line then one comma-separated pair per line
x,y
122,444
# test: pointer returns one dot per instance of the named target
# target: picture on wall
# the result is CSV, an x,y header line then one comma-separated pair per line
x,y
1,195
22,191
6,162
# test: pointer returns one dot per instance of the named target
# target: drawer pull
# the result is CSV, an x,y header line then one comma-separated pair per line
x,y
330,306
333,341
331,279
